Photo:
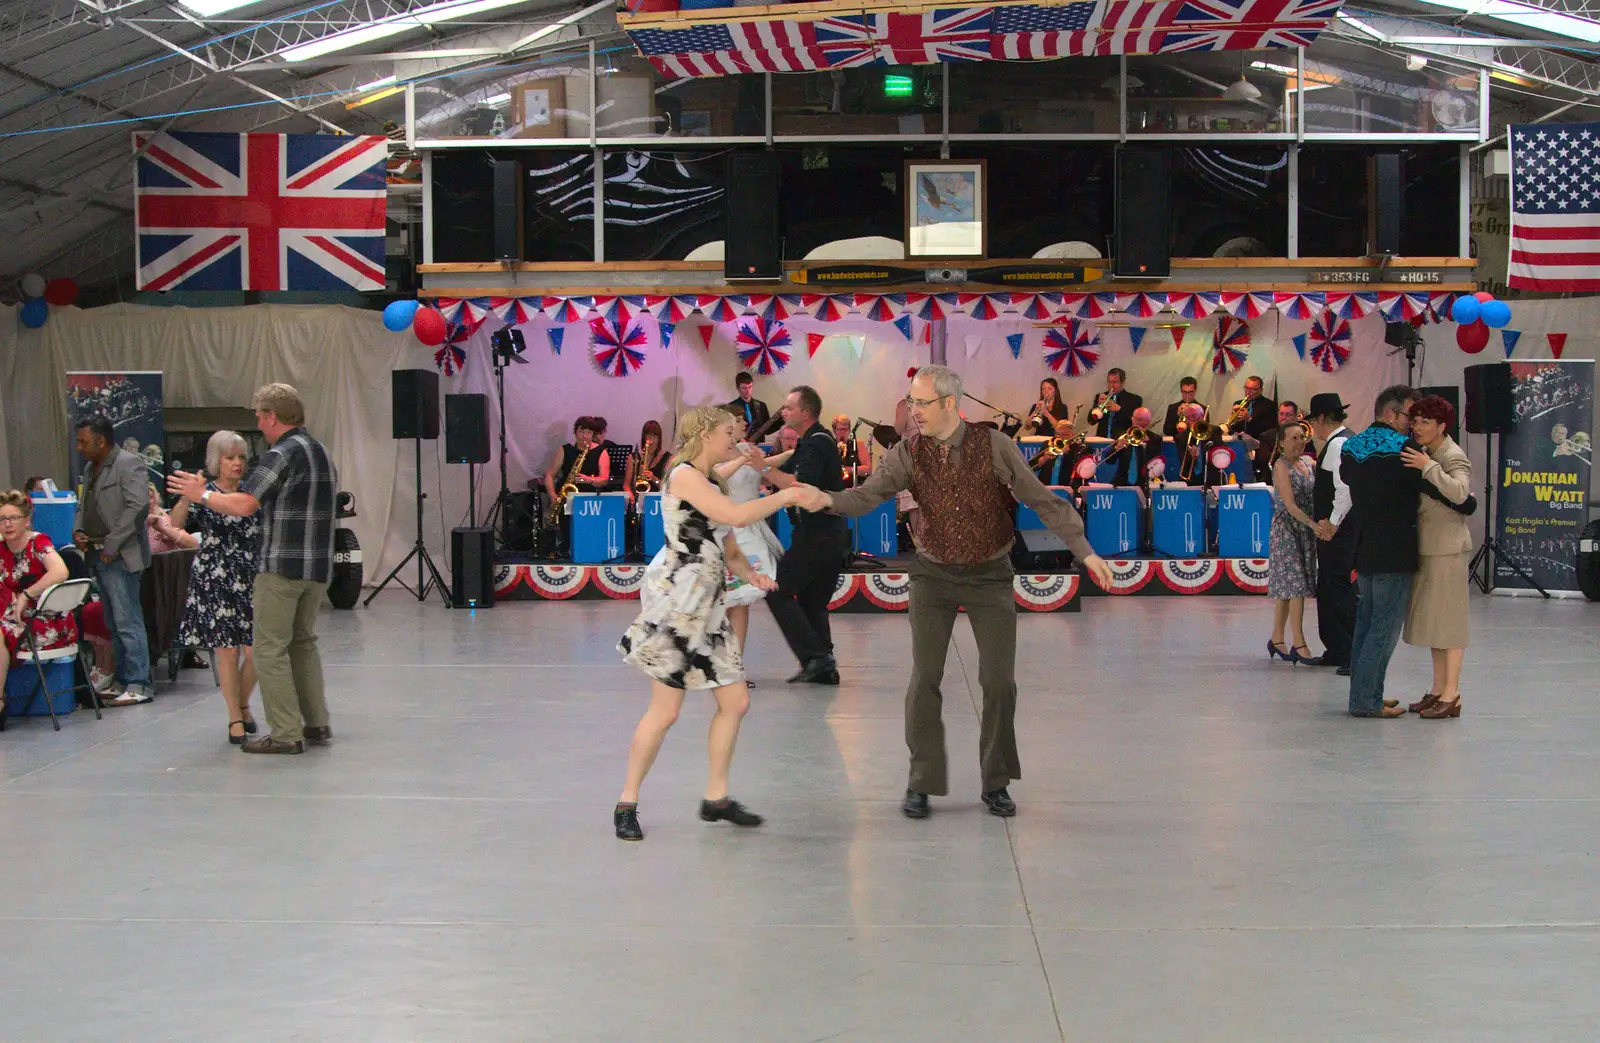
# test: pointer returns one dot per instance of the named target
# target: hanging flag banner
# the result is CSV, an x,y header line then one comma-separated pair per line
x,y
903,324
705,336
1558,343
1542,477
1014,341
667,329
556,334
1136,336
813,342
1299,340
1510,338
974,342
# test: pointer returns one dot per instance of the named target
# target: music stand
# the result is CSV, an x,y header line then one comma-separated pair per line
x,y
1482,565
506,346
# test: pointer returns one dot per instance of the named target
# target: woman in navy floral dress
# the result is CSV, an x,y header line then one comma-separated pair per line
x,y
218,615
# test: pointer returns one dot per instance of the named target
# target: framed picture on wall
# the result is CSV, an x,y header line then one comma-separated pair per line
x,y
946,208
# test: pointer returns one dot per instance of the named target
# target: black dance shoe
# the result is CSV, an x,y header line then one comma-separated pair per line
x,y
915,805
626,820
728,810
821,670
999,802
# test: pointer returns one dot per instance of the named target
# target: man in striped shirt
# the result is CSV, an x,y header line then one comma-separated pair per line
x,y
294,487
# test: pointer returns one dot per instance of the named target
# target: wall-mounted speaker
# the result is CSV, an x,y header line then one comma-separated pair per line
x,y
1142,237
416,403
753,245
466,429
1385,192
1490,409
508,210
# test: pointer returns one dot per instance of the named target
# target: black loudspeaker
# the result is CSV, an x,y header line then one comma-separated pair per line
x,y
1451,394
416,403
1589,561
507,210
466,429
1386,190
519,521
753,247
472,568
1142,236
1490,410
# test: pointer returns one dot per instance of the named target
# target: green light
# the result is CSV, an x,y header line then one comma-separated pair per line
x,y
895,86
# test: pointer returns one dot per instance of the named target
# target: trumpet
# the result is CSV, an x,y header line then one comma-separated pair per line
x,y
1238,416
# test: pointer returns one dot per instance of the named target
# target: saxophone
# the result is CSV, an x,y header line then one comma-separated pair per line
x,y
569,485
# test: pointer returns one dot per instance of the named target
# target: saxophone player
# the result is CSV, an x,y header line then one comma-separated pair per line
x,y
647,464
855,454
589,473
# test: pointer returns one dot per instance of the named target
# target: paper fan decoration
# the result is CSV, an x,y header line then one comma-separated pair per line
x,y
451,356
1228,344
1330,342
763,345
513,311
1071,351
618,350
978,305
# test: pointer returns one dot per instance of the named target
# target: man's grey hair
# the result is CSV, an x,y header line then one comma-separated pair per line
x,y
282,401
946,381
224,443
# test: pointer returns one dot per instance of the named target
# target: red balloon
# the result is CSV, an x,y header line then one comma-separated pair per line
x,y
429,326
1473,337
61,292
1484,295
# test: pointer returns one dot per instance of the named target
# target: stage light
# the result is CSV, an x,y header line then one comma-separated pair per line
x,y
508,345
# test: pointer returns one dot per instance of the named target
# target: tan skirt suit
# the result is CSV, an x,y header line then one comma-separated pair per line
x,y
1437,614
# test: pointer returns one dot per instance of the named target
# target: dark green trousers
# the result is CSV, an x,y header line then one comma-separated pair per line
x,y
937,593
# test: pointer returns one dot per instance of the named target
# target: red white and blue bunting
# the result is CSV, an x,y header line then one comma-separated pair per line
x,y
1229,344
617,350
764,345
1330,342
1072,351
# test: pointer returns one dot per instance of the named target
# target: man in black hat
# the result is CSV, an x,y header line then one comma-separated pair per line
x,y
1330,503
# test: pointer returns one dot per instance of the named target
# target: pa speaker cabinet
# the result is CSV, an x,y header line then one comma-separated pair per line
x,y
1451,394
508,210
416,403
466,429
753,247
1143,233
1490,410
1385,192
472,568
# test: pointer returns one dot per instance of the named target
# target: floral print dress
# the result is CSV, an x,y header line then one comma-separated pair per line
x,y
20,570
222,581
683,637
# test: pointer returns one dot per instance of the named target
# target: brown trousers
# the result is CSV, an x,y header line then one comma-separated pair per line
x,y
937,593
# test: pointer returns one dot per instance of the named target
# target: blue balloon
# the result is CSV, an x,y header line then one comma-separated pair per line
x,y
397,315
1495,313
1466,310
34,312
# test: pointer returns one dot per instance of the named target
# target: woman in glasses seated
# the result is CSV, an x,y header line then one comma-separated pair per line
x,y
29,566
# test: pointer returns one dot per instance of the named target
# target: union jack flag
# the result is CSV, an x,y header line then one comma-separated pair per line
x,y
260,211
956,34
1216,25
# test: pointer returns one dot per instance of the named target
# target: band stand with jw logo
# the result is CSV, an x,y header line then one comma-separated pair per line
x,y
599,527
416,416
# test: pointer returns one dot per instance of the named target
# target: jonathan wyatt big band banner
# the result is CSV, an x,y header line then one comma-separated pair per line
x,y
1542,494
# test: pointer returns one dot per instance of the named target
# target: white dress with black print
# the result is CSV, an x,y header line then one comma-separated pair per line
x,y
683,637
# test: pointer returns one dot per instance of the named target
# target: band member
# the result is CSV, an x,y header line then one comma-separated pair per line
x,y
646,463
1132,461
1330,503
1048,411
855,455
962,475
595,469
1056,468
809,571
1176,426
1113,408
753,411
1267,448
1194,447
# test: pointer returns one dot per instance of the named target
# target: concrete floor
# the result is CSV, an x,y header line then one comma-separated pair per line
x,y
1207,847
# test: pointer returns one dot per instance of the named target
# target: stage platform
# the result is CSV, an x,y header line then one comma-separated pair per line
x,y
884,586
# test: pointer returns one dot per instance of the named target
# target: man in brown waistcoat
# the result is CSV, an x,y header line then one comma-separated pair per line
x,y
960,474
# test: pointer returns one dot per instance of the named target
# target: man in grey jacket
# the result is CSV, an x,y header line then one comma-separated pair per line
x,y
112,515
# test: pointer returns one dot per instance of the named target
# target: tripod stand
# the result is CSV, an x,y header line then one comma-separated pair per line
x,y
427,572
506,346
1482,567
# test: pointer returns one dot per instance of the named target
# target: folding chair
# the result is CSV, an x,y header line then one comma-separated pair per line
x,y
60,599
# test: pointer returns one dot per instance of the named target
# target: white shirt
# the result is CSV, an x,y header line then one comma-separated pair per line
x,y
1330,463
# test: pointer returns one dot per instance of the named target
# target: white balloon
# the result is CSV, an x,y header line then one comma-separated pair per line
x,y
33,284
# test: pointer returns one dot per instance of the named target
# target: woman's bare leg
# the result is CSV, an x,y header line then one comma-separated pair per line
x,y
739,616
663,711
247,681
227,662
733,701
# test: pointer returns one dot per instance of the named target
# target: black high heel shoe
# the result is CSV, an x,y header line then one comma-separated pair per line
x,y
250,726
1309,660
237,740
1272,650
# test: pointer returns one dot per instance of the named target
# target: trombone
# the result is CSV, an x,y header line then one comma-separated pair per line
x,y
1200,432
1133,436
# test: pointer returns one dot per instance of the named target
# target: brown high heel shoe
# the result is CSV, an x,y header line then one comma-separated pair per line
x,y
1441,710
1427,700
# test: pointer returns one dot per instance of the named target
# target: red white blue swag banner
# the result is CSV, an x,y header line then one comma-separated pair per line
x,y
260,211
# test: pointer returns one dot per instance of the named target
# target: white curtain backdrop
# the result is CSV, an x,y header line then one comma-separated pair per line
x,y
340,359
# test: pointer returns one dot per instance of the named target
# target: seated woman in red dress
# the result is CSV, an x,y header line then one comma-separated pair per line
x,y
29,565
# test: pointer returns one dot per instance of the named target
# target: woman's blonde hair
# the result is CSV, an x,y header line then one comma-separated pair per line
x,y
225,443
696,424
18,499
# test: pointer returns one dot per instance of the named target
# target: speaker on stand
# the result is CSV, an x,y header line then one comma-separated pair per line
x,y
753,245
1491,412
416,416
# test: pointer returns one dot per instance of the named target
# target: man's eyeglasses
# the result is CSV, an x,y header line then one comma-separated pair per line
x,y
922,403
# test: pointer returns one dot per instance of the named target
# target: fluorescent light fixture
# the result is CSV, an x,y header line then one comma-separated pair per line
x,y
1527,15
445,11
374,85
387,92
1284,69
497,99
207,8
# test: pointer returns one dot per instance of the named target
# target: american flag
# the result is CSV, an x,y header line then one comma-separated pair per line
x,y
260,211
1555,207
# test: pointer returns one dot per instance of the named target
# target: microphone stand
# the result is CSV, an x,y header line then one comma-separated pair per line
x,y
998,411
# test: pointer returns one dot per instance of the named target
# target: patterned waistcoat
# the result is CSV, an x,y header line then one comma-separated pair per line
x,y
963,515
